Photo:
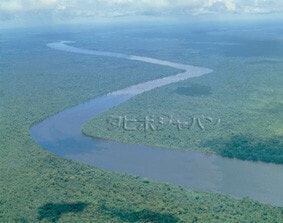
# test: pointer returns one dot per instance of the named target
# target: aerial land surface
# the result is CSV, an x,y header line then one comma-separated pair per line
x,y
37,186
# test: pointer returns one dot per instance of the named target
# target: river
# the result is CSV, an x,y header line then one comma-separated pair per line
x,y
61,134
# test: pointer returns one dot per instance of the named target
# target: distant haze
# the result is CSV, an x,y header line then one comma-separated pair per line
x,y
16,12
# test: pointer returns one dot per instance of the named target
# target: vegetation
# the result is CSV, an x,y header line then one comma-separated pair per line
x,y
36,186
237,109
248,148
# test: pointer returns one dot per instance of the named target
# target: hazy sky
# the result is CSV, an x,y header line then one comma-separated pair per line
x,y
20,11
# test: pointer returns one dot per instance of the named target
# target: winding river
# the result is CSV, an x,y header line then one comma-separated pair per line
x,y
61,134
